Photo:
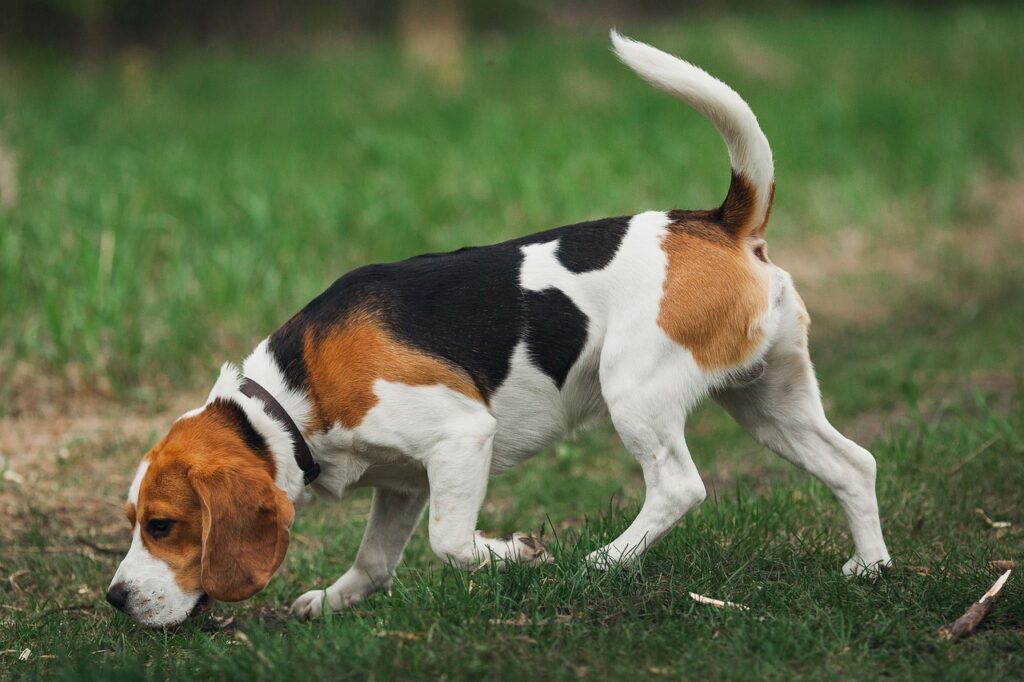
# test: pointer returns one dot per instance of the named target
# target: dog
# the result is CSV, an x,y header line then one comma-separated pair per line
x,y
422,378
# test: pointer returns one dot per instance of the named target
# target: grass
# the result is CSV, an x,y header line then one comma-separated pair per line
x,y
174,208
177,207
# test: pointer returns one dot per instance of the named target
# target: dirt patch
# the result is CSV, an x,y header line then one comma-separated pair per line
x,y
857,277
69,474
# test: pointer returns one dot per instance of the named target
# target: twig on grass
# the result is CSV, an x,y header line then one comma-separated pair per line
x,y
86,552
110,551
992,524
13,580
63,609
717,603
974,453
1000,565
966,624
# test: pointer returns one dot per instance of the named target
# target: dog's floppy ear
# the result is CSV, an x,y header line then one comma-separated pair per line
x,y
246,522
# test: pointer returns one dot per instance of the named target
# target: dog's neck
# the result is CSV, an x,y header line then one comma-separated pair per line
x,y
341,467
261,368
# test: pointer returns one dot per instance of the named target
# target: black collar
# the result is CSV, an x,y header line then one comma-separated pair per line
x,y
303,457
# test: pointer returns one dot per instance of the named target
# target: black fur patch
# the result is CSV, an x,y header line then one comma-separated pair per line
x,y
235,416
556,331
465,306
591,246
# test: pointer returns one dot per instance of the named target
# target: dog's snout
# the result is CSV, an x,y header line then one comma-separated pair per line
x,y
117,595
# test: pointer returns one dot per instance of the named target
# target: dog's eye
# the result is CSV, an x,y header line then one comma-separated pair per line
x,y
159,528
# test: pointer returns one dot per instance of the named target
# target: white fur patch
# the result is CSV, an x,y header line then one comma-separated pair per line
x,y
154,598
140,473
262,368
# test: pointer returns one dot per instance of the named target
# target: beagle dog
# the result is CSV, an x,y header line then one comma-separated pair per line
x,y
422,378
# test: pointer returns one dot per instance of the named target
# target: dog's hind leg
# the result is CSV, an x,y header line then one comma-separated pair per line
x,y
783,411
648,409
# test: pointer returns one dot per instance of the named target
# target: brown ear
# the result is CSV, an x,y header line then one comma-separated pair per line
x,y
246,521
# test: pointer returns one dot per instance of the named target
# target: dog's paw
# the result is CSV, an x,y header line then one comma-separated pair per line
x,y
858,566
530,550
315,603
311,604
612,555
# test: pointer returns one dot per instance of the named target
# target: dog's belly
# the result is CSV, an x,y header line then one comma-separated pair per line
x,y
532,413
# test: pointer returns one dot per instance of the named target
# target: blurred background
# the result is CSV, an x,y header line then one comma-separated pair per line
x,y
178,178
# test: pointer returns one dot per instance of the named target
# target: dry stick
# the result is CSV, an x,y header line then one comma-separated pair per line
x,y
110,551
717,603
977,451
966,624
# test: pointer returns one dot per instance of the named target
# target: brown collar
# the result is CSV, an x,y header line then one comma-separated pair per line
x,y
303,457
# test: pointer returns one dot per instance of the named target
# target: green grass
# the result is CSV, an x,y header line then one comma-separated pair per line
x,y
178,207
772,540
172,212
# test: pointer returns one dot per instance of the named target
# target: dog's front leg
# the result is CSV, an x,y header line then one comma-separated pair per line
x,y
393,517
458,471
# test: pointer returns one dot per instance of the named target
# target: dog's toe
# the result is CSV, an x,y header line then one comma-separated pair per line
x,y
310,604
858,566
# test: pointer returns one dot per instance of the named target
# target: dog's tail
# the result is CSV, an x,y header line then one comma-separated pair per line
x,y
748,203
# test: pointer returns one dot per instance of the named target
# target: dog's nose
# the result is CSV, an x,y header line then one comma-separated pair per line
x,y
117,595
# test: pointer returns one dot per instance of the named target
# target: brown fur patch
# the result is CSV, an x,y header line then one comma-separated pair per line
x,y
344,364
736,215
196,447
738,206
166,493
713,294
762,229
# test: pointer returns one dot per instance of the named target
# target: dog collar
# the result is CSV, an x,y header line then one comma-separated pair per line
x,y
300,450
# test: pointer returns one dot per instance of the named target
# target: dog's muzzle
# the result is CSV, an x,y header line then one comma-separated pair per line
x,y
117,596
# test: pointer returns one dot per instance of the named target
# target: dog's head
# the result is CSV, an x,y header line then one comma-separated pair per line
x,y
207,519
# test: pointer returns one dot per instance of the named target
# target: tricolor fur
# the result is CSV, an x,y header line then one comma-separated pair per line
x,y
421,378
